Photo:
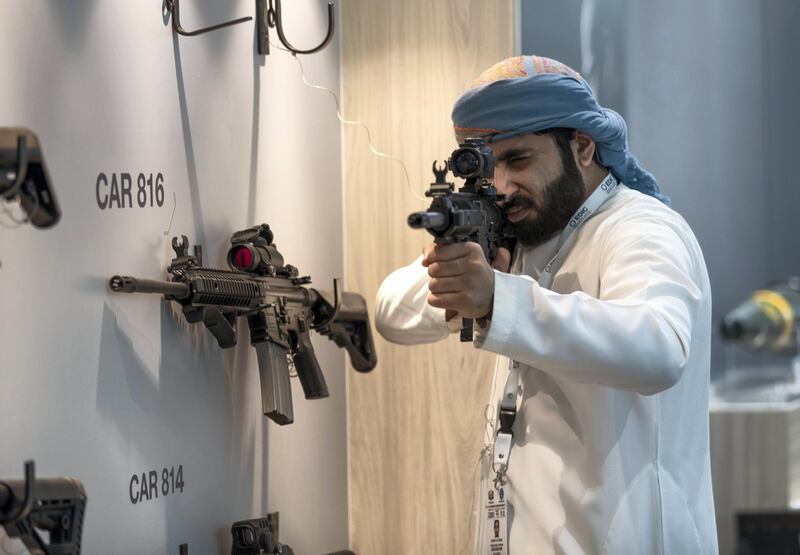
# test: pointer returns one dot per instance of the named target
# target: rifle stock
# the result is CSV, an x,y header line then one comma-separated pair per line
x,y
46,514
349,328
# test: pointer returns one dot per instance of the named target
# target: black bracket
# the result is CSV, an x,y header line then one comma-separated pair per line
x,y
270,16
27,503
22,169
174,7
337,303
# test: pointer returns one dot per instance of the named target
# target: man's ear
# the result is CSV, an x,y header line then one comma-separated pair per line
x,y
583,146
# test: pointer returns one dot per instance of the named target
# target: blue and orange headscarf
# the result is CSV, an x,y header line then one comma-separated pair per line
x,y
526,94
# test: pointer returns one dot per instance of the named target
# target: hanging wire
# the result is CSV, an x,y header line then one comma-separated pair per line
x,y
172,216
476,485
17,222
486,451
372,148
489,424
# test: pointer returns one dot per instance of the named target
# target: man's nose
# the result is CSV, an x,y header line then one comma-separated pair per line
x,y
503,182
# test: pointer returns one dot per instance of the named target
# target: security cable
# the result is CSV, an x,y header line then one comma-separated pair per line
x,y
172,215
17,222
372,148
488,409
10,215
486,451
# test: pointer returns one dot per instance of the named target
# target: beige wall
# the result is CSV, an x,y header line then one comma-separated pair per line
x,y
416,423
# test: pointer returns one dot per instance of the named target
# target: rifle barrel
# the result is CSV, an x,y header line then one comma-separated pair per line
x,y
427,220
128,284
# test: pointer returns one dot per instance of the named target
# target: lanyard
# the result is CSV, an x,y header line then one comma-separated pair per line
x,y
508,404
599,196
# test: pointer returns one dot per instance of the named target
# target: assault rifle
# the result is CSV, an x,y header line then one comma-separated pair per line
x,y
280,312
256,536
472,213
52,505
260,535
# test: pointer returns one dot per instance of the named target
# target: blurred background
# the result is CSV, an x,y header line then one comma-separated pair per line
x,y
708,91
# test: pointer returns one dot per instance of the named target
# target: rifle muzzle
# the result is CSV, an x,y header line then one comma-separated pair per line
x,y
128,284
427,220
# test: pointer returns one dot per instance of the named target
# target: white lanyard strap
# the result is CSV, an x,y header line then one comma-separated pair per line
x,y
598,197
508,404
506,417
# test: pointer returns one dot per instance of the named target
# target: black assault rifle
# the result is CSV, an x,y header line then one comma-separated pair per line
x,y
472,213
52,505
280,312
260,535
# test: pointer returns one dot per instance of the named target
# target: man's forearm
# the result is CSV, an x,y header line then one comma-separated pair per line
x,y
402,313
622,344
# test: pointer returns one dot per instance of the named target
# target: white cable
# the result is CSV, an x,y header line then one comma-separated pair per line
x,y
174,206
10,215
372,148
473,516
489,431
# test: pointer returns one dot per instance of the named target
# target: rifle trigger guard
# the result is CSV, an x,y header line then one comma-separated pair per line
x,y
336,305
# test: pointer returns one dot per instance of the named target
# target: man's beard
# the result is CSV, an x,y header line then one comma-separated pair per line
x,y
561,199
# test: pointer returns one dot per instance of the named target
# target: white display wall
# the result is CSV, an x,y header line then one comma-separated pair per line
x,y
104,386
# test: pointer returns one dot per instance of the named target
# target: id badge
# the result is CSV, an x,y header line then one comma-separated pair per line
x,y
495,521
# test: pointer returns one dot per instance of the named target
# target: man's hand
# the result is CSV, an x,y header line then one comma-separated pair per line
x,y
462,281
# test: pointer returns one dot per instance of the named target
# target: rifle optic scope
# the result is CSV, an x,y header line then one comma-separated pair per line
x,y
257,259
472,159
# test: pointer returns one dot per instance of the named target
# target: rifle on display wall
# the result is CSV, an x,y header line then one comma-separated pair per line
x,y
280,313
472,213
260,535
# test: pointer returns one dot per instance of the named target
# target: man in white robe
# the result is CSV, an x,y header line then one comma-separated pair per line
x,y
610,449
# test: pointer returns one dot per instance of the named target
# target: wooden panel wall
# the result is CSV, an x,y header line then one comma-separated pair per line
x,y
416,422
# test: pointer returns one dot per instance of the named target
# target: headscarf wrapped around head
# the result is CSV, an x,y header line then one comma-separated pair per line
x,y
526,94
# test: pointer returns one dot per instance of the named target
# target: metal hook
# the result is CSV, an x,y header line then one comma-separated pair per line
x,y
271,17
337,302
174,7
27,502
22,169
